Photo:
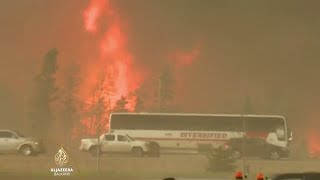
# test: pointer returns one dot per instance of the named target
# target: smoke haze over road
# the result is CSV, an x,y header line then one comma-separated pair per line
x,y
266,50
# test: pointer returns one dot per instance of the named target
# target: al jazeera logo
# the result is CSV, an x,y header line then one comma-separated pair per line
x,y
61,159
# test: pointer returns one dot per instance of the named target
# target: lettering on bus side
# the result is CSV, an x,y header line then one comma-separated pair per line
x,y
203,135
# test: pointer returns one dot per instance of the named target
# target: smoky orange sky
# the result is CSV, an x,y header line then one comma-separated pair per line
x,y
267,50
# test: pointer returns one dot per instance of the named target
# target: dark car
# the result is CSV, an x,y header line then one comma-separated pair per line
x,y
254,147
296,176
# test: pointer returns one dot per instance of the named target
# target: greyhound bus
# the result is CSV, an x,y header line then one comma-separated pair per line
x,y
188,133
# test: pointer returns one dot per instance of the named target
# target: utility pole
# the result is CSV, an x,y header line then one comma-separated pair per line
x,y
98,136
248,110
244,170
159,95
245,166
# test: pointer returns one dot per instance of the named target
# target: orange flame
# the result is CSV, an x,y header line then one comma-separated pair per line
x,y
93,13
115,59
314,143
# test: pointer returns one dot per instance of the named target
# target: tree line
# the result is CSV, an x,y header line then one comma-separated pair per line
x,y
51,103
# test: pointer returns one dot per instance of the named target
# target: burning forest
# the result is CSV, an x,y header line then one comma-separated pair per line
x,y
65,66
80,96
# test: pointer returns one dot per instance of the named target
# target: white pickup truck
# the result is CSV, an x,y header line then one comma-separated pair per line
x,y
115,143
14,142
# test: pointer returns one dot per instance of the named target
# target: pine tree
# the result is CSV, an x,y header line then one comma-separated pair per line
x,y
166,93
120,105
139,104
142,97
99,103
70,102
44,94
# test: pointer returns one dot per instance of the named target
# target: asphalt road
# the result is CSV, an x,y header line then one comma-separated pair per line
x,y
193,179
114,167
102,178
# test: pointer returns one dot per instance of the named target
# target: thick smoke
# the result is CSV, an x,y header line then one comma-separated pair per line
x,y
114,57
268,51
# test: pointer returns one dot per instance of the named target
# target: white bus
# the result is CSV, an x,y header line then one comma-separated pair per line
x,y
188,133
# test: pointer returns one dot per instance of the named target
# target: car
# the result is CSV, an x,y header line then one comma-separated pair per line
x,y
254,147
296,176
115,143
14,142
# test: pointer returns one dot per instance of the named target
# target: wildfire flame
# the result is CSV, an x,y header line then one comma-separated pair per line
x,y
93,12
314,143
115,61
114,58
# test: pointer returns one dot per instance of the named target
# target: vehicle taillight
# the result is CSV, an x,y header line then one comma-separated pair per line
x,y
260,176
238,175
